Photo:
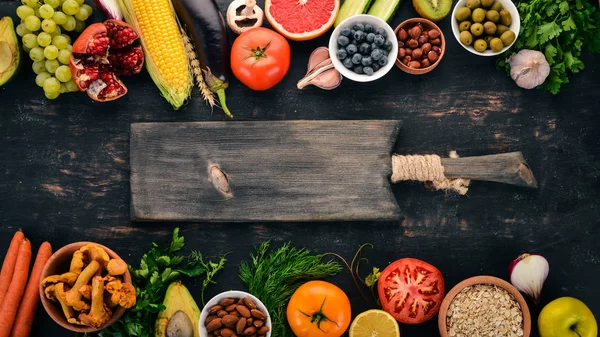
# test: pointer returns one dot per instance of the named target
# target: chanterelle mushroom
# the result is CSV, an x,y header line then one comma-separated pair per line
x,y
68,278
59,291
116,267
243,15
99,314
125,296
77,262
73,296
50,292
93,252
86,291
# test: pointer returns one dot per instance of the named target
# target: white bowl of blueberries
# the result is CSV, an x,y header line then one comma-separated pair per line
x,y
363,48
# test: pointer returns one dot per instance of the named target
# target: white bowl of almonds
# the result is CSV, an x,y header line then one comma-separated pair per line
x,y
234,313
484,306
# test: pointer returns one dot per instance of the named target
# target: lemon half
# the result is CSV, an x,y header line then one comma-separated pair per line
x,y
374,323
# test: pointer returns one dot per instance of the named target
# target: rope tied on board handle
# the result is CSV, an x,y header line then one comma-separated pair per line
x,y
427,168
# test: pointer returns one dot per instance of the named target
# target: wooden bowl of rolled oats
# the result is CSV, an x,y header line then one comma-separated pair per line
x,y
484,306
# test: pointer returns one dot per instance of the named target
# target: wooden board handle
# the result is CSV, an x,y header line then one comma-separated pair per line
x,y
508,168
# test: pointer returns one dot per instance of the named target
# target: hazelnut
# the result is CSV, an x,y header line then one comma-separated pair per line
x,y
425,63
401,53
412,43
433,34
415,31
436,49
423,39
408,51
400,44
436,42
414,64
417,53
406,59
426,47
402,35
432,56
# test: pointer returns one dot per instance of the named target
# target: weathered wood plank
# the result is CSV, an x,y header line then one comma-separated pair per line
x,y
267,171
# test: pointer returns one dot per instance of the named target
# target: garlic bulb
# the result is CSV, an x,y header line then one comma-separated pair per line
x,y
529,68
528,273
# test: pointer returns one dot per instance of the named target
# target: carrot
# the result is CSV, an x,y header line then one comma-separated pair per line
x,y
31,298
16,289
8,266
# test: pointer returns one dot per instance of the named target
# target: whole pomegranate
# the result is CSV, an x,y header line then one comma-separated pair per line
x,y
103,51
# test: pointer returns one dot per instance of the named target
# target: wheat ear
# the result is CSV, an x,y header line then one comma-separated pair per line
x,y
207,94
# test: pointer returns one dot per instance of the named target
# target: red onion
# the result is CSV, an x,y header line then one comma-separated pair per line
x,y
110,9
528,272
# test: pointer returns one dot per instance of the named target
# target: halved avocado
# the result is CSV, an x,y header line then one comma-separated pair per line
x,y
177,300
9,50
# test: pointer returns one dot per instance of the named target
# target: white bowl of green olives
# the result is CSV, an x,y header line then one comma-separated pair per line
x,y
363,48
486,27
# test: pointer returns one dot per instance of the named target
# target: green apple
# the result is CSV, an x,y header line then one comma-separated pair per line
x,y
567,317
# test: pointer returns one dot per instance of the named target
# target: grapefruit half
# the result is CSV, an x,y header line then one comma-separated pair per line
x,y
301,20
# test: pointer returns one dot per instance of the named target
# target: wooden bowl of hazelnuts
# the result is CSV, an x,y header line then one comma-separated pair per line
x,y
421,46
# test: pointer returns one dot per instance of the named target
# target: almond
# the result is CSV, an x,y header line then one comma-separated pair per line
x,y
217,332
226,302
263,330
235,313
214,325
250,321
241,301
249,303
209,319
214,309
230,321
249,331
258,323
222,314
240,326
226,332
258,314
243,310
230,307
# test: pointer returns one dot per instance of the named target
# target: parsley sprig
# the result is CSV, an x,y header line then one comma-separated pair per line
x,y
560,29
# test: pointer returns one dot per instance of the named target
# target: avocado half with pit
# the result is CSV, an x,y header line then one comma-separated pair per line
x,y
9,50
181,315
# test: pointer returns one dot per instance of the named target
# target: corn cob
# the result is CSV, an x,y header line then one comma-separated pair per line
x,y
166,59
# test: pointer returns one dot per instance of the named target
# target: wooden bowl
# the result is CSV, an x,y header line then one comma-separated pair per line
x,y
426,24
59,263
491,280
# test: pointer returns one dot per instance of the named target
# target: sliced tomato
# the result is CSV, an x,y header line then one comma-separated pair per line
x,y
411,290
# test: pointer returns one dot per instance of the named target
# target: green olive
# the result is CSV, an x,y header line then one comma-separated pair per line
x,y
492,15
480,45
462,14
487,3
464,26
490,28
477,29
478,15
488,39
496,44
497,6
472,4
507,37
500,29
466,38
505,17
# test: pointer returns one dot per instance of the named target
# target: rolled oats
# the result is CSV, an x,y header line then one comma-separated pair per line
x,y
484,310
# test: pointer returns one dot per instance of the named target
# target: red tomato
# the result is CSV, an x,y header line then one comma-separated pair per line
x,y
260,58
411,290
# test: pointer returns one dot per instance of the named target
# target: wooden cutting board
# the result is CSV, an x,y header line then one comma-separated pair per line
x,y
276,171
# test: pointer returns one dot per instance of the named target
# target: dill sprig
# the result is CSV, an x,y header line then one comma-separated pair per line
x,y
274,278
207,94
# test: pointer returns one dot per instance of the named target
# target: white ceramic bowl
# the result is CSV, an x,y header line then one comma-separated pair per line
x,y
375,22
237,295
515,26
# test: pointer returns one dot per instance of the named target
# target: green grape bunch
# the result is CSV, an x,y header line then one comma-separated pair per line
x,y
44,29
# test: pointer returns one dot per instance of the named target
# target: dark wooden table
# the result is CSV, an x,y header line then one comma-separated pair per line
x,y
64,173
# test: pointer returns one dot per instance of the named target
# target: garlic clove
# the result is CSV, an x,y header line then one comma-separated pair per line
x,y
321,72
529,68
528,272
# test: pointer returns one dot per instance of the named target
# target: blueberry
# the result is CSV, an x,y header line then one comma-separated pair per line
x,y
341,54
383,60
343,41
358,26
385,53
348,63
345,31
374,46
352,31
368,28
376,54
356,58
375,66
381,32
364,48
358,70
387,45
379,40
354,42
359,36
351,49
370,37
368,71
367,61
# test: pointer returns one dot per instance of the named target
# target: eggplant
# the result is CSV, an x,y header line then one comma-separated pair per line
x,y
206,27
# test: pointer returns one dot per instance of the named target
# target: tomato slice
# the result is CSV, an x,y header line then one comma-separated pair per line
x,y
411,290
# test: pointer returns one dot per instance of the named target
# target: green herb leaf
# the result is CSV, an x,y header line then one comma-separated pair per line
x,y
569,24
550,52
372,278
548,31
